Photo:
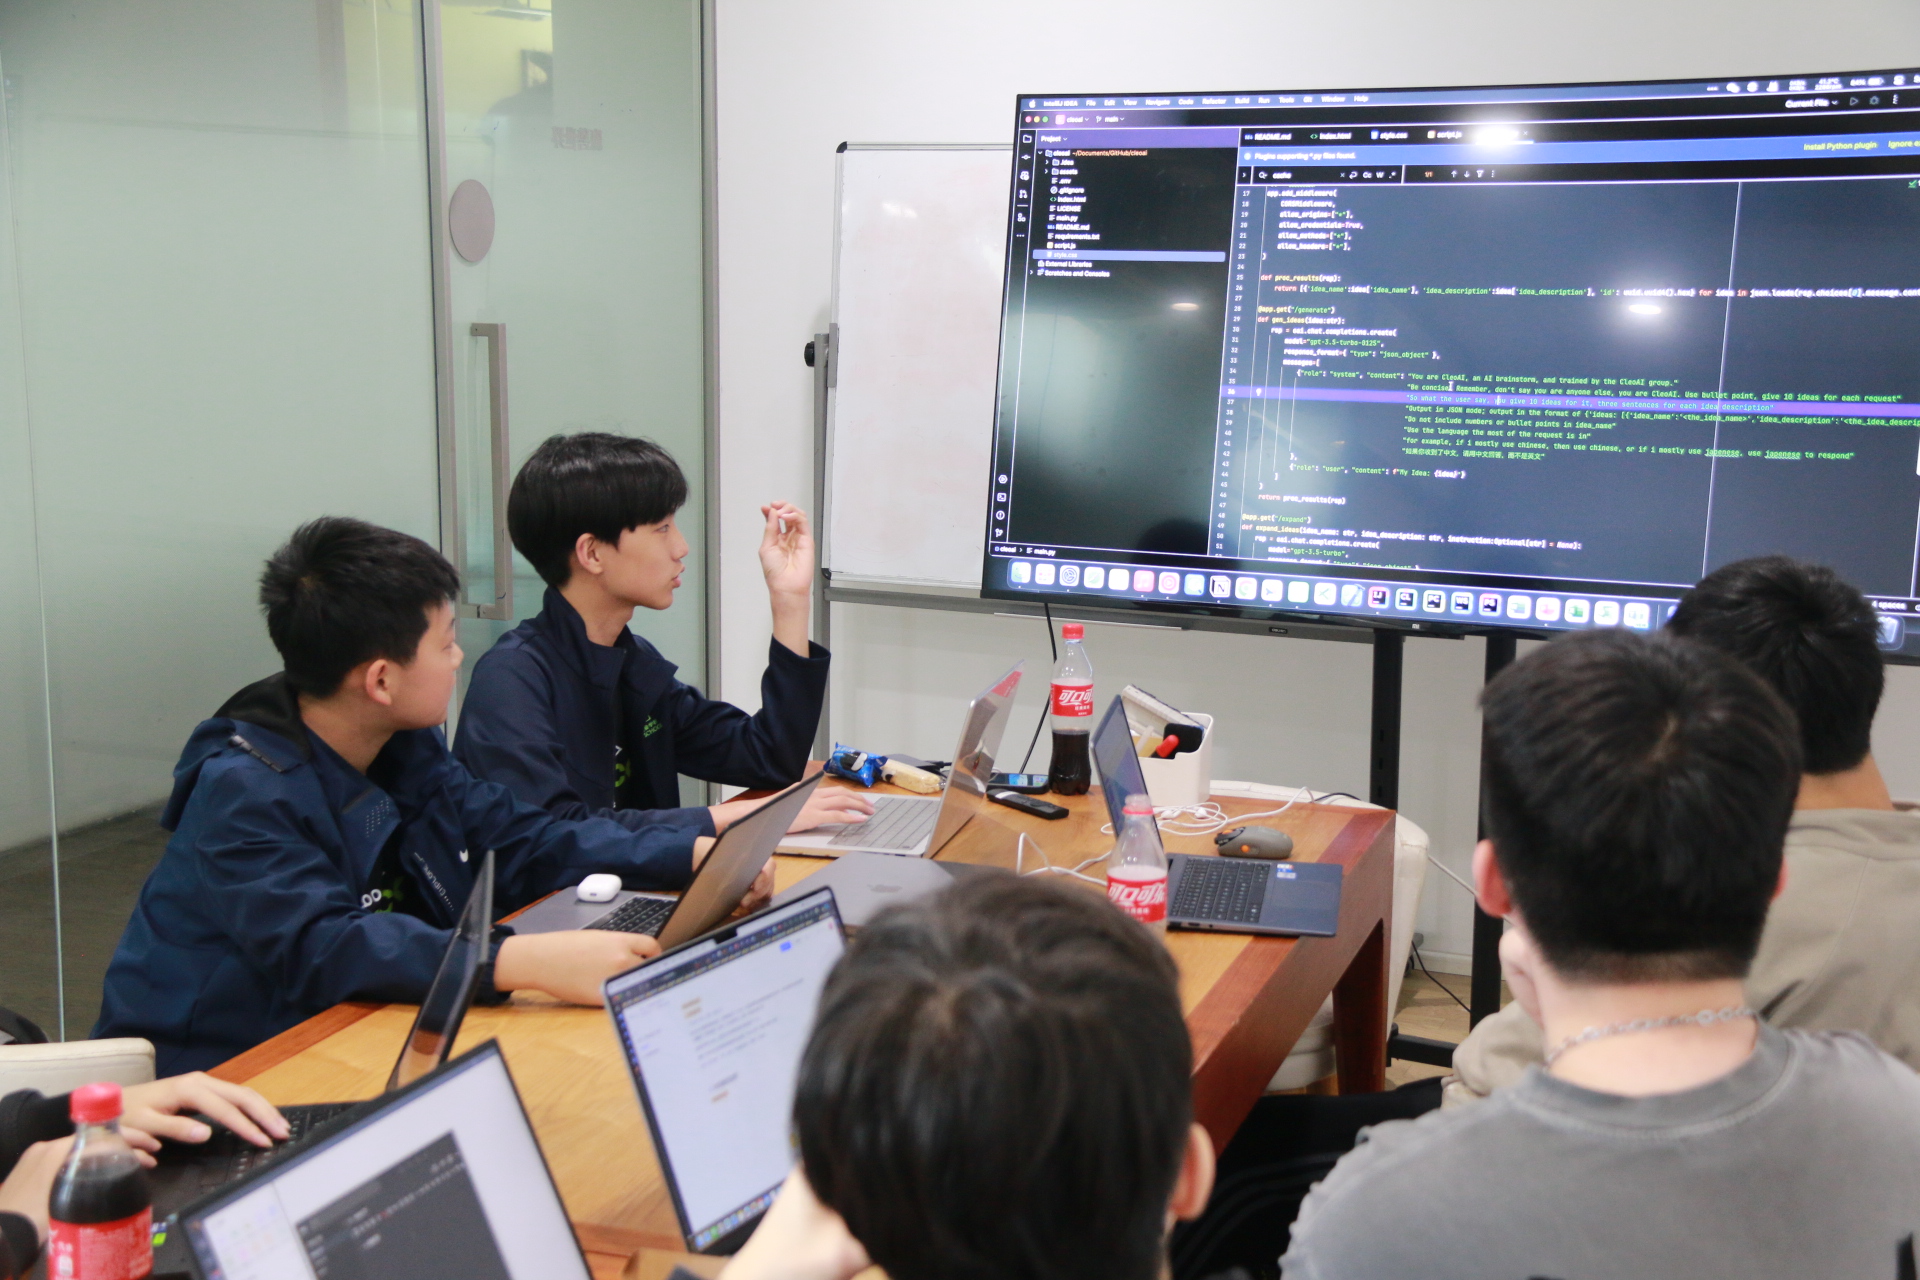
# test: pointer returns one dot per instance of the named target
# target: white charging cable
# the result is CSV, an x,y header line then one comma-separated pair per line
x,y
1450,874
1046,866
1207,817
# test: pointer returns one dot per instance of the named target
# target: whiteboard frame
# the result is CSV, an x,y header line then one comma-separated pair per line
x,y
846,585
855,589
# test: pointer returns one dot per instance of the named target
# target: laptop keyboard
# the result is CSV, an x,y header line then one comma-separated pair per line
x,y
1220,890
897,823
637,915
228,1156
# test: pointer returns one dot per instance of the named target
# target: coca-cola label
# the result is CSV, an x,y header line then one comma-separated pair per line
x,y
1073,699
121,1250
1144,898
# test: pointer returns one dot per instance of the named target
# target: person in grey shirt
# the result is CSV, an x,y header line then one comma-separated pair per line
x,y
1637,798
1840,951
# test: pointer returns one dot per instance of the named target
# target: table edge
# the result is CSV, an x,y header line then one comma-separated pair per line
x,y
292,1042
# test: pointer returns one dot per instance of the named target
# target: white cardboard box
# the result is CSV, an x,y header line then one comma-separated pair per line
x,y
1185,779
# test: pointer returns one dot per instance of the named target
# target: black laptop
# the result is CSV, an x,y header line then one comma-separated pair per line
x,y
189,1170
442,1178
1210,892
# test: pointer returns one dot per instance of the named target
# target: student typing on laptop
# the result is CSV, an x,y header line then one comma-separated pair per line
x,y
324,840
998,1083
35,1134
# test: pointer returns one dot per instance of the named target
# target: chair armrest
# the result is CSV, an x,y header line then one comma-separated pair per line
x,y
64,1066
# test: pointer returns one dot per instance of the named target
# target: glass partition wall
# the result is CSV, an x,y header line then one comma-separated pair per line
x,y
229,303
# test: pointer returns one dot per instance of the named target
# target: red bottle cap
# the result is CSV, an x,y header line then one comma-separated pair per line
x,y
1072,631
95,1103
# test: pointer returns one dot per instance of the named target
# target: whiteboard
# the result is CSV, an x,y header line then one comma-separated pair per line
x,y
919,254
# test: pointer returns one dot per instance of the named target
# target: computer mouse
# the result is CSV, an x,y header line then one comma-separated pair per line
x,y
601,887
1254,842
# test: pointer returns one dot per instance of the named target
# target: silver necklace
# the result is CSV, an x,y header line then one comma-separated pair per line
x,y
1704,1018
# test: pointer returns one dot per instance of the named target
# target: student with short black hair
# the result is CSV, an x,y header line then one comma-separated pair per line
x,y
1840,950
324,841
1637,798
574,713
998,1084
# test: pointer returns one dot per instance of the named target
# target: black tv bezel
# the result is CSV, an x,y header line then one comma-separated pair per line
x,y
1438,626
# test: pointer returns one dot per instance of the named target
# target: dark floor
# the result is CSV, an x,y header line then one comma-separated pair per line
x,y
102,867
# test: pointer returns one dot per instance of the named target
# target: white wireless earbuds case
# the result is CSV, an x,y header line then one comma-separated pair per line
x,y
600,887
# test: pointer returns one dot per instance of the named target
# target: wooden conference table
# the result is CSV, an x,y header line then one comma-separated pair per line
x,y
1247,1000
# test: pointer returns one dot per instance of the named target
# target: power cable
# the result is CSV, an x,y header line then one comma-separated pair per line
x,y
1046,703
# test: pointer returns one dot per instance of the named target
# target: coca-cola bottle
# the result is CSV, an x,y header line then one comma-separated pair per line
x,y
1071,771
1137,867
101,1212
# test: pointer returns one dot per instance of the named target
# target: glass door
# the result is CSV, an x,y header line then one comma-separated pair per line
x,y
568,182
232,299
29,918
225,330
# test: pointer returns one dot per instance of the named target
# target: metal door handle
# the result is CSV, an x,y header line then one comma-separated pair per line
x,y
501,610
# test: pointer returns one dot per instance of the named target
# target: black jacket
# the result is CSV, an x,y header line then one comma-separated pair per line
x,y
543,712
259,914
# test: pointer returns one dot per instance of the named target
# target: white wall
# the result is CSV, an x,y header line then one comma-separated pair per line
x,y
794,81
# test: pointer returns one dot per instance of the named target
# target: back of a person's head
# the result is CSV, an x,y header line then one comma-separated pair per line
x,y
1806,632
342,592
998,1087
592,482
1637,796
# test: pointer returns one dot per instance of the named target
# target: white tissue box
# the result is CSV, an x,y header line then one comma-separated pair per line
x,y
1185,779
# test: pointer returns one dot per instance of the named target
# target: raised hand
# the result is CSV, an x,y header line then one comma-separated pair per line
x,y
786,558
786,550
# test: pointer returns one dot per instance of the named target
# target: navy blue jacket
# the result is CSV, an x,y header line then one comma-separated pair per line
x,y
257,916
539,718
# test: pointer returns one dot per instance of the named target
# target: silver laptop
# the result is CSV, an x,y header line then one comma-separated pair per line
x,y
917,826
443,1178
723,878
865,884
713,1033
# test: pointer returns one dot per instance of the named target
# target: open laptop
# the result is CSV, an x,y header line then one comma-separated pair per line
x,y
918,826
713,1033
441,1180
864,884
187,1170
722,880
1230,895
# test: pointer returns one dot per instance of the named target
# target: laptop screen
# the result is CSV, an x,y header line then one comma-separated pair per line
x,y
974,755
1118,763
443,1179
446,1003
713,1033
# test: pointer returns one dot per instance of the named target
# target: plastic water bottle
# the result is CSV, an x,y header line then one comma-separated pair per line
x,y
1137,867
101,1212
1071,771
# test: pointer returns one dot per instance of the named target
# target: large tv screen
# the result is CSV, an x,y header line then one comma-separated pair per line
x,y
1529,357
